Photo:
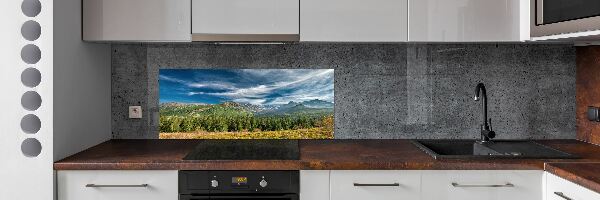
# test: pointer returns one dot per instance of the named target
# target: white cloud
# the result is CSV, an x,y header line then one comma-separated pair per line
x,y
325,93
195,93
305,85
255,92
305,77
262,91
211,85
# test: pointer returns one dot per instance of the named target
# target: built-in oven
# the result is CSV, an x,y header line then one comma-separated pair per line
x,y
553,17
236,185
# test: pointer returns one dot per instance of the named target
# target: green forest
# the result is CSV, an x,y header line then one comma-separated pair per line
x,y
234,117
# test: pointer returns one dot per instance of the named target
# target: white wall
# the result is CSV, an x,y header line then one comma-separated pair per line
x,y
75,77
82,107
21,177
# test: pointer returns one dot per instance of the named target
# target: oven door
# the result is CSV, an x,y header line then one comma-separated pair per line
x,y
552,17
244,197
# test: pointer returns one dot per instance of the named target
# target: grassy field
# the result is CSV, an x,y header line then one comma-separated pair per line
x,y
235,121
310,133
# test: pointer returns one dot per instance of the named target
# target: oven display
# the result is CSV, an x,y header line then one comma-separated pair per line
x,y
239,181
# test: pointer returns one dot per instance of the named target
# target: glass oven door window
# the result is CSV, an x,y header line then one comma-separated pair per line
x,y
554,11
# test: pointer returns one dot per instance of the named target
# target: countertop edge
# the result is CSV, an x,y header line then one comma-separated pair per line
x,y
298,165
573,177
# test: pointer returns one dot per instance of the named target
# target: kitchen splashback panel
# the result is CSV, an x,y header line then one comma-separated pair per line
x,y
381,90
246,103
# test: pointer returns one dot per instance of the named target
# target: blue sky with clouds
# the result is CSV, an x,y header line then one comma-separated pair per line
x,y
255,86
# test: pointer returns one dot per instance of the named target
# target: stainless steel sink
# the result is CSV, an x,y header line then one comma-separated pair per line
x,y
471,149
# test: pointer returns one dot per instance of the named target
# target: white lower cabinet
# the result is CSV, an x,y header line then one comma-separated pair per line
x,y
117,185
482,185
341,185
435,185
314,185
560,189
375,185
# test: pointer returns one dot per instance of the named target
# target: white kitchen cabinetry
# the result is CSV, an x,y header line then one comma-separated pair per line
x,y
468,20
375,184
314,185
136,20
560,189
117,185
245,20
353,20
482,185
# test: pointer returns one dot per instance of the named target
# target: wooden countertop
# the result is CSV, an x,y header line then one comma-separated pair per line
x,y
331,155
314,154
584,174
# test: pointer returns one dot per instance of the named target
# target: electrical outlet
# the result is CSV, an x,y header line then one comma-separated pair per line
x,y
135,112
593,114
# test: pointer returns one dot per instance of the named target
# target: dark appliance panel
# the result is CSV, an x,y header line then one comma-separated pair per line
x,y
270,149
554,11
230,185
556,18
273,181
193,182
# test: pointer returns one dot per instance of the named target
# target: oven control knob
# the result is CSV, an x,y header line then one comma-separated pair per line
x,y
263,183
214,183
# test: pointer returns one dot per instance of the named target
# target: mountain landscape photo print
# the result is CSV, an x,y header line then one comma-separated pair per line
x,y
246,103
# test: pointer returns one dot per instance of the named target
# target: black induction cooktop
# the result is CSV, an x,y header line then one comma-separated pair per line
x,y
245,150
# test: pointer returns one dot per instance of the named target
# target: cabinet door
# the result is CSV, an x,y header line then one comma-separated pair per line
x,y
314,185
136,20
468,20
482,185
374,184
117,185
353,20
244,17
560,189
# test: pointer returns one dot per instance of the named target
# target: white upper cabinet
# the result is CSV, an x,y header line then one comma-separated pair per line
x,y
468,20
245,20
353,20
307,20
136,20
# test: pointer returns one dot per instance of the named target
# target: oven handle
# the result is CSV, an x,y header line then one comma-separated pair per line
x,y
193,197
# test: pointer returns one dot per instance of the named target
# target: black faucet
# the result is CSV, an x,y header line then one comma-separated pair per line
x,y
486,129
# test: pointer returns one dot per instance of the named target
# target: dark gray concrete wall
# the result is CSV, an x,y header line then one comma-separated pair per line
x,y
382,90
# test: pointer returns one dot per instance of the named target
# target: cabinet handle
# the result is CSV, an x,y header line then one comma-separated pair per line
x,y
560,194
376,184
499,185
114,186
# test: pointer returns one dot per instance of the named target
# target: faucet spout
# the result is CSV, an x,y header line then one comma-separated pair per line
x,y
486,132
